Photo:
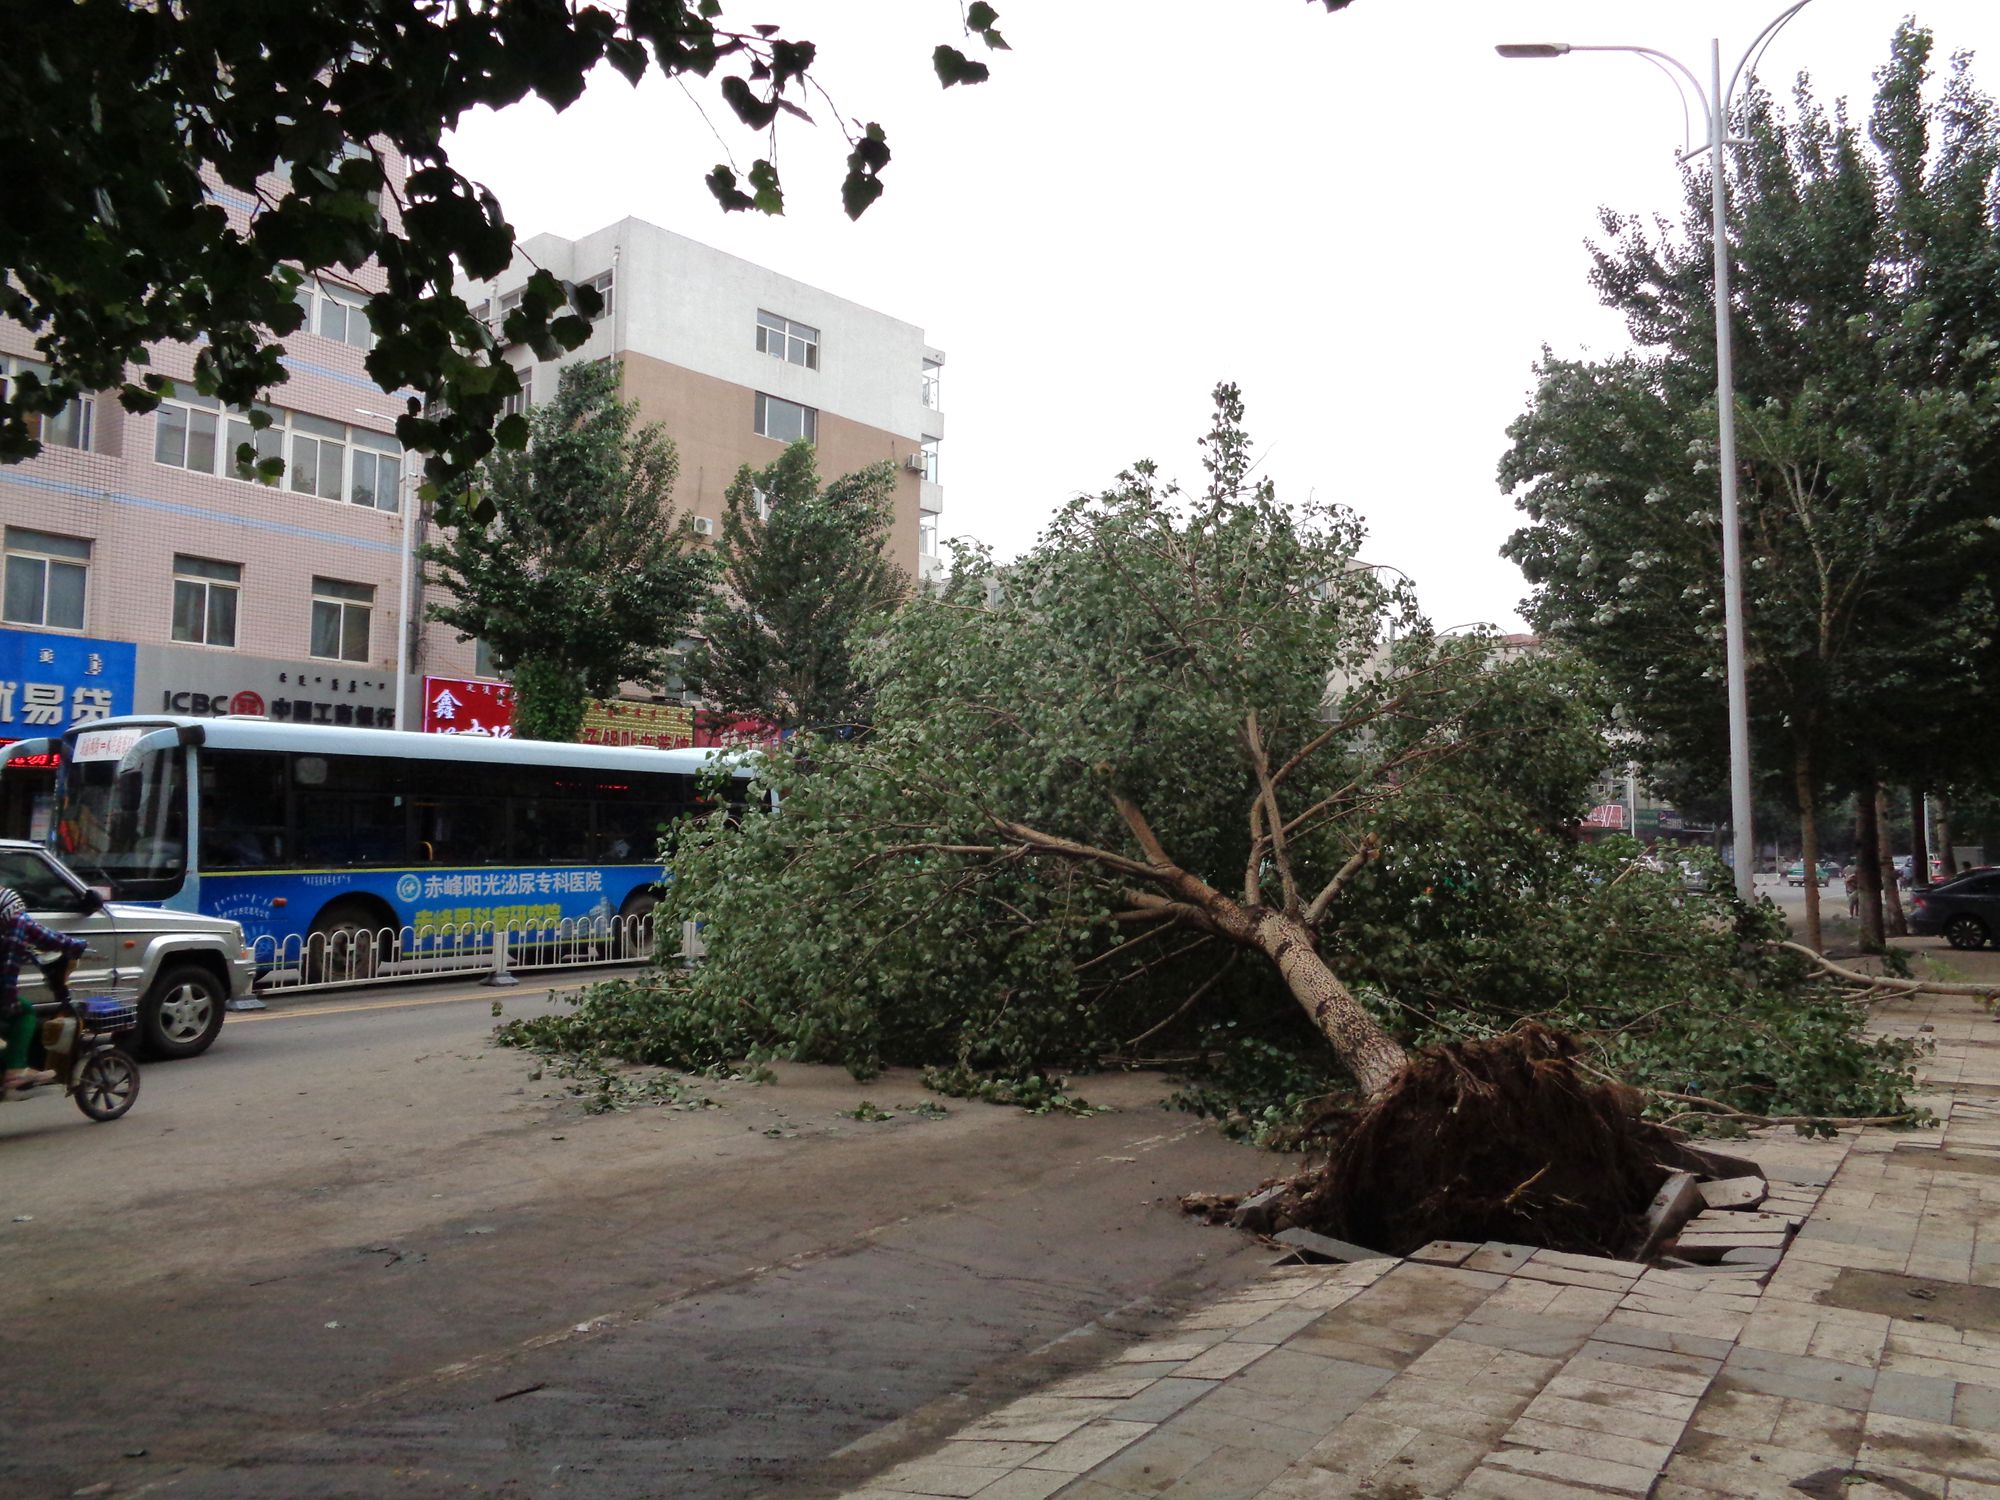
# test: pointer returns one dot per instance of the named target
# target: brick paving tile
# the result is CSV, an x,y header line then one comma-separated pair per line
x,y
1741,1414
1114,1381
1229,1474
1151,1464
1650,1369
1606,1447
1161,1399
1025,1484
1276,1327
1799,1376
1613,1421
1648,1332
1924,1397
927,1478
1495,1255
1601,1264
1362,1343
1930,1446
1288,1430
1848,1343
986,1455
1087,1447
1623,1397
1227,1315
1976,1406
1445,1252
1811,1426
1566,1276
1701,1305
1223,1361
1573,1468
1501,1484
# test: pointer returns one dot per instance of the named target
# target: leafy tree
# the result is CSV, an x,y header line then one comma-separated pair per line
x,y
803,573
125,126
1868,386
582,579
1171,797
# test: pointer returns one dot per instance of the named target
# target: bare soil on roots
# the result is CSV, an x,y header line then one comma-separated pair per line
x,y
1500,1139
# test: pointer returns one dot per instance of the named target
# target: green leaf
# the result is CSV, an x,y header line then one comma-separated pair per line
x,y
954,67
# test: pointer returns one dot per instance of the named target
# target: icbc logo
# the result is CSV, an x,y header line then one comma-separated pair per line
x,y
214,704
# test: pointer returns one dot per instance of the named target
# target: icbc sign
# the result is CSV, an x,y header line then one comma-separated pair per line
x,y
213,705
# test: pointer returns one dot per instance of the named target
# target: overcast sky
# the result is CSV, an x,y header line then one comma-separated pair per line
x,y
1367,220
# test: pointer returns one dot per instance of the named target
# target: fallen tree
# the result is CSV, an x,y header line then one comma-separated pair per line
x,y
1163,791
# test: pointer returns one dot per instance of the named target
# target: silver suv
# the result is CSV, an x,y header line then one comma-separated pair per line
x,y
183,969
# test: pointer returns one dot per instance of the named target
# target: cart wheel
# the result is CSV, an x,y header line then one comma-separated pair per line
x,y
107,1084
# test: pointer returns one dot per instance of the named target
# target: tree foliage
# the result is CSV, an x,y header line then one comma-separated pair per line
x,y
1170,797
583,579
127,128
804,574
1868,405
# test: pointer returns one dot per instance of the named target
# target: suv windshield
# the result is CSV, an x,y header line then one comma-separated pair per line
x,y
126,831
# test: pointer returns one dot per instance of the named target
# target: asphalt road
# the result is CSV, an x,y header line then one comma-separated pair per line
x,y
358,1251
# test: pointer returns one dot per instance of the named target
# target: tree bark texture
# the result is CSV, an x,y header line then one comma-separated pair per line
x,y
1920,839
1805,788
1894,923
1868,858
1369,1053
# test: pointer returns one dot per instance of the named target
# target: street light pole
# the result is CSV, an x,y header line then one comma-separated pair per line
x,y
1716,99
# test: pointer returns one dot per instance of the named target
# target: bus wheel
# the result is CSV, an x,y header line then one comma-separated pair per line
x,y
182,1012
637,937
345,942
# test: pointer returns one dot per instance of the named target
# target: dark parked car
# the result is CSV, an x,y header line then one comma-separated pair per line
x,y
1965,911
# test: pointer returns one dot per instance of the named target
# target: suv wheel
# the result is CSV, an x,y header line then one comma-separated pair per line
x,y
182,1012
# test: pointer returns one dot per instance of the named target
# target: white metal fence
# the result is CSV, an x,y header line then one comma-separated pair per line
x,y
363,955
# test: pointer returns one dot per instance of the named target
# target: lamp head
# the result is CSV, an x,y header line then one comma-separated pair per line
x,y
1532,49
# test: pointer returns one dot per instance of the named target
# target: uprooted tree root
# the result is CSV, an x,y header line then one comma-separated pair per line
x,y
1504,1138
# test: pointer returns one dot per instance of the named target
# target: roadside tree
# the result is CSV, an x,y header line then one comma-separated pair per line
x,y
1868,389
804,575
583,578
1171,795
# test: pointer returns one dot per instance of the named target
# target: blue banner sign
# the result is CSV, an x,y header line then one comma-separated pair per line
x,y
50,683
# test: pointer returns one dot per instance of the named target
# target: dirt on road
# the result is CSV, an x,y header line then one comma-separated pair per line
x,y
364,1254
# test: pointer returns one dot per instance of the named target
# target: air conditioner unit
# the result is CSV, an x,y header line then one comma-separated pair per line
x,y
704,526
916,461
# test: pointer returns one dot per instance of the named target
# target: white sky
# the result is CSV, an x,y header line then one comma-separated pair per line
x,y
1367,220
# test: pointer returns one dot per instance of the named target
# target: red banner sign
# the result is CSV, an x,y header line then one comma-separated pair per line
x,y
468,705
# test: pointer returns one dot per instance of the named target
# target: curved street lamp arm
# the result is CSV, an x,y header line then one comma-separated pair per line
x,y
1756,47
1665,60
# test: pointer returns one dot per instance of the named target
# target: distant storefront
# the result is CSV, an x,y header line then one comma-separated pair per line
x,y
472,705
48,684
208,684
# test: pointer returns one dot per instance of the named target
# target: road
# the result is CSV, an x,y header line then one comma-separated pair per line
x,y
358,1251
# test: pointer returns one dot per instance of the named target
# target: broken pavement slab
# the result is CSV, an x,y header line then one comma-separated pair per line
x,y
1309,1248
1734,1192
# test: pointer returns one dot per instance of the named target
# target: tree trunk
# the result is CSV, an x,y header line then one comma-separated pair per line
x,y
1805,790
1893,922
1947,865
1920,839
1868,857
1369,1052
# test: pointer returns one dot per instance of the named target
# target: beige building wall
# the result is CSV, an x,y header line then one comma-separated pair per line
x,y
713,424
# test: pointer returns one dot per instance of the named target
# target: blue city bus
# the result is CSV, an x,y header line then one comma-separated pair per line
x,y
342,850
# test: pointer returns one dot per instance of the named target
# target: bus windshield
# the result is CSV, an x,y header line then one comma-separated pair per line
x,y
127,831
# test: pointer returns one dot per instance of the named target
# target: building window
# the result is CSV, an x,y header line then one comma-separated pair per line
x,y
340,619
927,537
205,601
268,442
482,660
185,433
46,575
319,456
927,460
601,283
68,428
787,421
376,471
781,338
518,403
335,312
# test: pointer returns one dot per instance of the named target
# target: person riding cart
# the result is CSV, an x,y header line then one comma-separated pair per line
x,y
21,938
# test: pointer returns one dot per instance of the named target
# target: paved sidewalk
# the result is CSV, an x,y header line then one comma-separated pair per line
x,y
1865,1367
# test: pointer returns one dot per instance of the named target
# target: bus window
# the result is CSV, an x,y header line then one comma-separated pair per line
x,y
454,831
243,810
632,813
549,832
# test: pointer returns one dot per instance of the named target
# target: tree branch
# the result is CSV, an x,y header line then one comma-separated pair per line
x,y
1188,1004
1371,845
1253,739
